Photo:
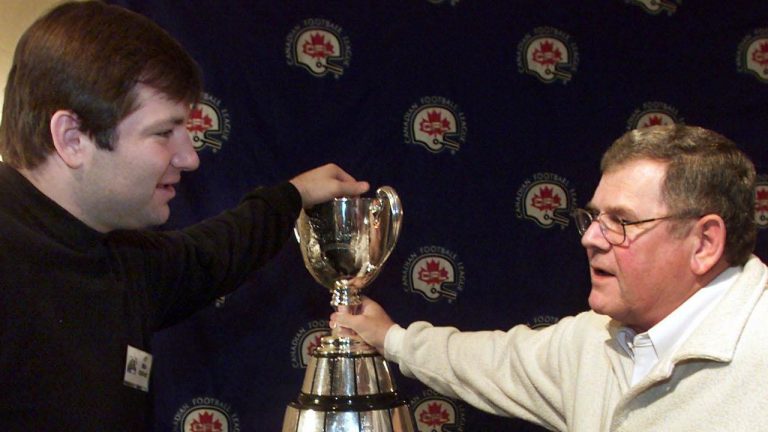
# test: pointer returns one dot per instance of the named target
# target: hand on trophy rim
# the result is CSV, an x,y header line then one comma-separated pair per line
x,y
325,183
371,323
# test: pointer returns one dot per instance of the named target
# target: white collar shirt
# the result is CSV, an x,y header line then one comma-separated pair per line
x,y
662,340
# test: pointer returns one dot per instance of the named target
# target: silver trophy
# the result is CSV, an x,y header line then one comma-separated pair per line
x,y
347,385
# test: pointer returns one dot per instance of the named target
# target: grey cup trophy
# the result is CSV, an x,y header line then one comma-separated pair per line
x,y
347,385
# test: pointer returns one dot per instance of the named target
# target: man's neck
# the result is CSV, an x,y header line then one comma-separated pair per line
x,y
55,182
698,283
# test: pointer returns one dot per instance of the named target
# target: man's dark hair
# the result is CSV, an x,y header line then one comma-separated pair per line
x,y
87,57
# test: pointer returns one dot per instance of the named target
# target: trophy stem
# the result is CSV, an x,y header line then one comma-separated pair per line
x,y
346,300
343,294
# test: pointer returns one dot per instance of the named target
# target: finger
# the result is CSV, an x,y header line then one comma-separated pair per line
x,y
368,303
342,175
340,319
357,188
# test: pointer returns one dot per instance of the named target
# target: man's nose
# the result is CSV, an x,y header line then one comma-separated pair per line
x,y
593,237
185,158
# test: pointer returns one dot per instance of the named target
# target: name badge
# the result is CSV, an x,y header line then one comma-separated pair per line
x,y
138,365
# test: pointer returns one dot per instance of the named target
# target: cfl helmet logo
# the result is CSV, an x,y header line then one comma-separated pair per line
x,y
434,272
653,114
306,340
451,2
319,48
547,203
656,7
654,118
753,55
433,127
436,413
208,124
206,414
761,203
433,276
546,200
548,55
436,124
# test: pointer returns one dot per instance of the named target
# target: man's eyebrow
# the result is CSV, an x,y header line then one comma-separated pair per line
x,y
617,211
169,121
175,120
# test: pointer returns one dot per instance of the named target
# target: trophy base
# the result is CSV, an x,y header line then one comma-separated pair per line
x,y
347,388
300,418
344,345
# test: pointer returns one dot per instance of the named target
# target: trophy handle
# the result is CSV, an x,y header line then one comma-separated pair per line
x,y
388,198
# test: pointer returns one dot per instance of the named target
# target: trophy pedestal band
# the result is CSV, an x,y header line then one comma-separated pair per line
x,y
344,346
347,391
303,419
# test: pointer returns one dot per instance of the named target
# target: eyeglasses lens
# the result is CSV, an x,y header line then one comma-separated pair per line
x,y
610,225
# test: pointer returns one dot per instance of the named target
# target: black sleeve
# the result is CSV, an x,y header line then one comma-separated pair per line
x,y
183,271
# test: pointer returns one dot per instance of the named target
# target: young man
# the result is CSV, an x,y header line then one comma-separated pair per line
x,y
94,141
675,337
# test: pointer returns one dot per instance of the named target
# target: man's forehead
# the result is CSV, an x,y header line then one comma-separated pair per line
x,y
145,93
630,187
148,98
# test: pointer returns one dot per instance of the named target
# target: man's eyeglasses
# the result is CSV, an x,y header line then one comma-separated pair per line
x,y
612,227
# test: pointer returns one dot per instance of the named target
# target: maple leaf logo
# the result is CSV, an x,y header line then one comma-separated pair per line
x,y
434,415
546,199
434,124
433,274
198,122
653,120
205,423
761,201
546,54
760,55
312,346
317,46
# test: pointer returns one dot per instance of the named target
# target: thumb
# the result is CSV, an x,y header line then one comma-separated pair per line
x,y
342,319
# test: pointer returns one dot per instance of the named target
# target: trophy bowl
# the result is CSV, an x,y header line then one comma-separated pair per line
x,y
345,242
347,385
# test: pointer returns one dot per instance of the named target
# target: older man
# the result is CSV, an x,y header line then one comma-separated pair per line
x,y
674,339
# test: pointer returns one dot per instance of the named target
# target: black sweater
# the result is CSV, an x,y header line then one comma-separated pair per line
x,y
72,299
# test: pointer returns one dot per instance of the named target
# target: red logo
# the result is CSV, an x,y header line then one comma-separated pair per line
x,y
433,274
318,47
434,415
199,121
434,124
547,54
313,344
653,120
205,422
761,201
546,200
760,55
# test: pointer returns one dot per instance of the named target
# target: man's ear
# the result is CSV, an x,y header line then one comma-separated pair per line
x,y
67,138
709,236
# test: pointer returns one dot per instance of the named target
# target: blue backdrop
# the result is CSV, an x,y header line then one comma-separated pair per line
x,y
488,117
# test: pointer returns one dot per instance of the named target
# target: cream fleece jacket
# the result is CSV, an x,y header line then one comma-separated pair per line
x,y
573,375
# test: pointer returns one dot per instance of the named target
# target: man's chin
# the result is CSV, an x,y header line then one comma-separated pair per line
x,y
597,303
156,218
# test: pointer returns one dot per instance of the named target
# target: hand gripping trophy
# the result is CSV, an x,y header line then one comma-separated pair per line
x,y
347,385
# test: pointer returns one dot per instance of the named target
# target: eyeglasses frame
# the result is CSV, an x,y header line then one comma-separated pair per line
x,y
624,224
